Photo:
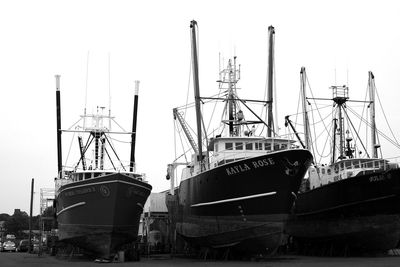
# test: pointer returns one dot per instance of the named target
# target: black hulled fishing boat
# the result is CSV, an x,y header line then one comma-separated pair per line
x,y
351,204
99,201
236,193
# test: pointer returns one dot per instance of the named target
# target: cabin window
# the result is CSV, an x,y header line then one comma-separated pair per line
x,y
249,146
216,147
341,166
357,164
258,146
267,146
229,146
239,146
329,171
276,146
284,146
348,164
323,171
370,164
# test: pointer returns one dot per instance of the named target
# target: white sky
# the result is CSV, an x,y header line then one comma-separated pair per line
x,y
150,41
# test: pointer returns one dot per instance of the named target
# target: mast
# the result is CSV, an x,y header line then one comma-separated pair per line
x,y
340,97
334,141
270,120
371,86
231,101
133,136
193,25
58,107
303,77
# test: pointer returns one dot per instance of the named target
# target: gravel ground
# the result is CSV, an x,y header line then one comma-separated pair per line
x,y
32,260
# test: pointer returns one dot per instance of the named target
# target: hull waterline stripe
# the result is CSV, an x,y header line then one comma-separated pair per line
x,y
232,199
70,207
105,182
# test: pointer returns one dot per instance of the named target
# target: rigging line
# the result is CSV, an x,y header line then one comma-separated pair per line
x,y
320,154
322,119
183,147
309,86
115,153
215,105
69,150
189,80
351,124
378,131
120,141
311,110
384,115
109,158
74,124
118,125
364,109
88,142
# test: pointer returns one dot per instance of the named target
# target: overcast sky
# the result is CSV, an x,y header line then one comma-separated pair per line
x,y
150,41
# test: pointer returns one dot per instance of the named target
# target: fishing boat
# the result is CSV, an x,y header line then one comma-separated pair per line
x,y
99,200
350,204
237,189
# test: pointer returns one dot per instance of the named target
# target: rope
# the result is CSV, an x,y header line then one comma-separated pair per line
x,y
384,115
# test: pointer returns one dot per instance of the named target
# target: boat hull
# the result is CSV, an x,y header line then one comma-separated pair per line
x,y
101,214
244,204
361,213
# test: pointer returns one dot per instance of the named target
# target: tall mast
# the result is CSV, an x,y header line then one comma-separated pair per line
x,y
371,86
303,77
193,25
270,120
340,96
58,107
231,101
133,136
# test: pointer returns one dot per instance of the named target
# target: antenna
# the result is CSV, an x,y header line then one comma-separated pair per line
x,y
109,91
86,89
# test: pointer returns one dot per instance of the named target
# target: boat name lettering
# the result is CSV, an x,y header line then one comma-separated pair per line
x,y
133,191
377,178
80,191
244,167
262,163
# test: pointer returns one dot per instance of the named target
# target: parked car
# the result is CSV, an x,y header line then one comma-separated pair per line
x,y
23,245
9,246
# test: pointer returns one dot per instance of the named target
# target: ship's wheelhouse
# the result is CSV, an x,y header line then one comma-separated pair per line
x,y
325,174
228,149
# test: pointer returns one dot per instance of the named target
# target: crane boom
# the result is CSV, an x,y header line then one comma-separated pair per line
x,y
185,128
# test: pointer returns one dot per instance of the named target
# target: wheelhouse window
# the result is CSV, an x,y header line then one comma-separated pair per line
x,y
258,146
239,146
229,146
249,146
267,146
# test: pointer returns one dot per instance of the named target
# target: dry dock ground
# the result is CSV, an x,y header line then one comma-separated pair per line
x,y
33,260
